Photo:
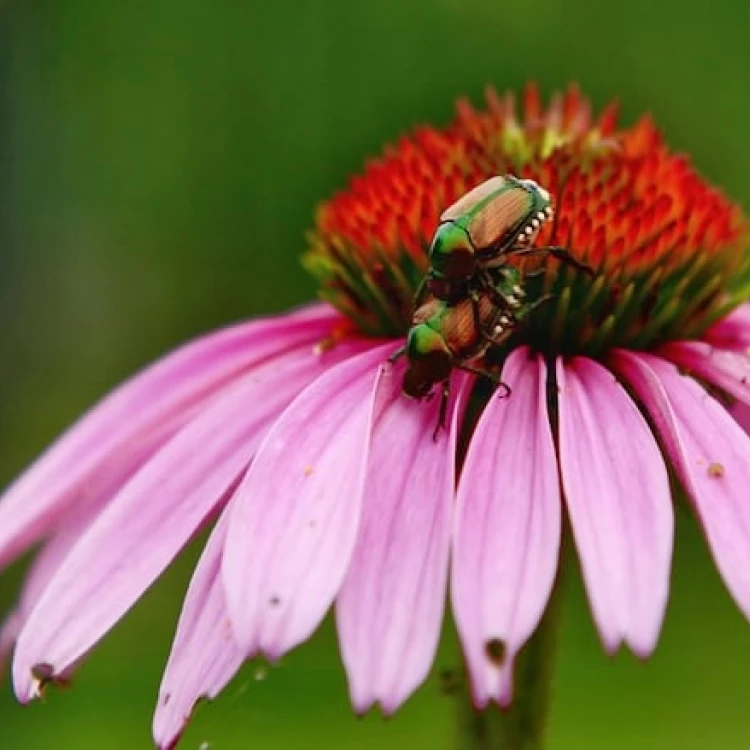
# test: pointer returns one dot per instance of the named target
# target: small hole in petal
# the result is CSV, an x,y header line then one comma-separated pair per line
x,y
166,698
716,470
495,650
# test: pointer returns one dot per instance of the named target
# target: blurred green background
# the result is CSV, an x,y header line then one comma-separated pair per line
x,y
159,163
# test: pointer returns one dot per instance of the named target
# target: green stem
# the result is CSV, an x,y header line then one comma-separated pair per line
x,y
523,726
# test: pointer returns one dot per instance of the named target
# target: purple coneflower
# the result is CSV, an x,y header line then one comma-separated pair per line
x,y
326,485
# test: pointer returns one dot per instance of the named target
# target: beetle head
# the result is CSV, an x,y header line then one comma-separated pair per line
x,y
430,361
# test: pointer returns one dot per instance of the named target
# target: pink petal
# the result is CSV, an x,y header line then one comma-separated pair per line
x,y
711,455
732,331
95,456
741,413
728,370
204,655
618,498
508,528
390,609
155,514
9,631
295,517
45,565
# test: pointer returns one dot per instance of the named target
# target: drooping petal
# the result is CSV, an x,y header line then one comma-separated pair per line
x,y
295,517
711,455
508,528
44,566
97,454
618,498
390,609
729,370
732,331
205,655
156,513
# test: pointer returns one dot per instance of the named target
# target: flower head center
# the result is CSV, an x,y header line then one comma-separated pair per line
x,y
666,251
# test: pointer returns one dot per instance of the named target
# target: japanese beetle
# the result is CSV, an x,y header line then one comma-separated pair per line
x,y
455,335
501,216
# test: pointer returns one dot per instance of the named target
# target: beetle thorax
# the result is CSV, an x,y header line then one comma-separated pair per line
x,y
452,255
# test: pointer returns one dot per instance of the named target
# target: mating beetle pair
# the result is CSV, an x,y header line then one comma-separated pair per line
x,y
471,298
446,335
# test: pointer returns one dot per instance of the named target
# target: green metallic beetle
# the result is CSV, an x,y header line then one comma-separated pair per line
x,y
500,217
455,335
497,219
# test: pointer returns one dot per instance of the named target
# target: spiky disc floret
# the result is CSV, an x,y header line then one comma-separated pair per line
x,y
669,250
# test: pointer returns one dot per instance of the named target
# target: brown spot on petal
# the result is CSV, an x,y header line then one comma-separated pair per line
x,y
227,629
307,471
274,601
166,698
716,469
495,650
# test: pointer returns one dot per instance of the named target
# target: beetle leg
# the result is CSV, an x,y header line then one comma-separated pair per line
x,y
419,294
561,253
443,413
397,354
564,256
477,371
538,302
507,390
